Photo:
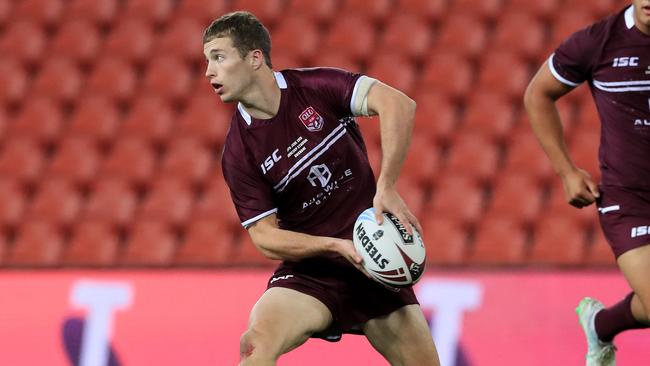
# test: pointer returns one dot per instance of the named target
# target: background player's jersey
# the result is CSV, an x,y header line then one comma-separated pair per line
x,y
308,163
613,55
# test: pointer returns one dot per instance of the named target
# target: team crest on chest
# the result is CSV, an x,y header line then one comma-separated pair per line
x,y
311,119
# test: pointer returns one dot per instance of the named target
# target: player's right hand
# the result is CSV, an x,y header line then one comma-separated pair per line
x,y
579,189
346,249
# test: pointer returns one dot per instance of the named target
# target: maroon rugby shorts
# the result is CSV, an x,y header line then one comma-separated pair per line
x,y
625,217
351,297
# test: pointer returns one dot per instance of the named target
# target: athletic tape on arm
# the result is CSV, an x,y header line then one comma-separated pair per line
x,y
359,102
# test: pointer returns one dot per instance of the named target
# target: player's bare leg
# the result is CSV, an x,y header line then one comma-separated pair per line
x,y
403,338
281,320
635,265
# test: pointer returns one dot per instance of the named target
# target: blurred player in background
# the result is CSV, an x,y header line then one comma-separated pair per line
x,y
613,55
299,176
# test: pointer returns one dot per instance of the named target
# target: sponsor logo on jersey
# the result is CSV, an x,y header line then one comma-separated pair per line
x,y
270,161
625,62
311,119
640,231
279,278
642,122
319,173
370,248
408,239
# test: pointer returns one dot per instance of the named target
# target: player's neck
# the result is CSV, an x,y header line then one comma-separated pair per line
x,y
262,101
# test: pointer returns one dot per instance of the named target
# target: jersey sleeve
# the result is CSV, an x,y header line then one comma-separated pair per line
x,y
344,91
250,194
572,61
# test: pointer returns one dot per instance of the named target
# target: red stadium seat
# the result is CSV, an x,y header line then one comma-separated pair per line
x,y
319,12
131,159
587,118
5,10
267,11
40,120
132,40
150,243
206,119
78,40
431,10
435,116
374,154
449,73
203,11
113,78
45,12
445,240
498,241
485,9
206,242
187,159
3,236
599,252
38,243
523,33
583,148
96,118
338,40
524,154
557,206
412,193
12,203
541,9
559,241
216,204
566,23
153,11
246,253
370,130
461,33
93,243
406,35
169,78
183,39
283,61
458,197
505,73
297,37
24,40
488,114
516,196
21,159
99,12
376,11
473,154
169,201
422,161
56,201
111,201
341,61
402,78
76,160
596,8
150,119
59,79
13,81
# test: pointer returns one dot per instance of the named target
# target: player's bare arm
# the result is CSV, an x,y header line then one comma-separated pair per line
x,y
542,93
396,112
280,244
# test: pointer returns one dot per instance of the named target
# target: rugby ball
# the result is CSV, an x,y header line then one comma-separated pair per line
x,y
390,255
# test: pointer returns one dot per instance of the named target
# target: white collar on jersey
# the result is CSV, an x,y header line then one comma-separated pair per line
x,y
629,17
282,84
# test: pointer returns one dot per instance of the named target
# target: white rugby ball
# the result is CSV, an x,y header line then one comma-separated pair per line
x,y
390,255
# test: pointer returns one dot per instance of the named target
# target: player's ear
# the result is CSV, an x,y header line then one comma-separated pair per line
x,y
256,58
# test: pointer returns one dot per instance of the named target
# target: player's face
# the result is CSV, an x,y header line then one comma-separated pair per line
x,y
228,73
642,14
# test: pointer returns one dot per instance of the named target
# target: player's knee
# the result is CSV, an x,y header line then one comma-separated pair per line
x,y
253,345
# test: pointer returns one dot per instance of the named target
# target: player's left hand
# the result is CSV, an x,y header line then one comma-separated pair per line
x,y
388,200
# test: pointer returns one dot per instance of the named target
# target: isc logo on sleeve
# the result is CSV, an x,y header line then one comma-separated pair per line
x,y
640,231
625,61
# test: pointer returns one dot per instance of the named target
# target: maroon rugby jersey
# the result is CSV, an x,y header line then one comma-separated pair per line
x,y
613,55
308,163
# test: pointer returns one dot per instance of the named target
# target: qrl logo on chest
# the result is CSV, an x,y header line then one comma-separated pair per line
x,y
311,119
